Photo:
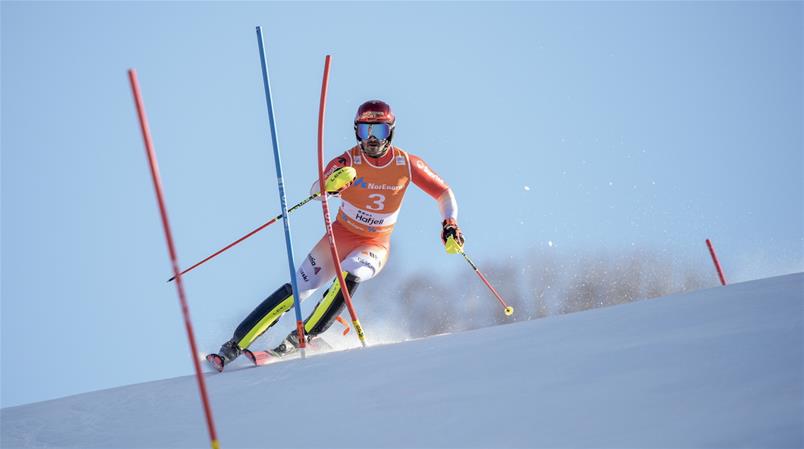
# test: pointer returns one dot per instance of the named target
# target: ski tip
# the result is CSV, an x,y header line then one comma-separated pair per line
x,y
216,361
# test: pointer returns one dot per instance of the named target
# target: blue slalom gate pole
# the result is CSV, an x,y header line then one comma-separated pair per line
x,y
280,181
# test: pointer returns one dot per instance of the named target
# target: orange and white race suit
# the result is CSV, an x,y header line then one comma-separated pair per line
x,y
368,212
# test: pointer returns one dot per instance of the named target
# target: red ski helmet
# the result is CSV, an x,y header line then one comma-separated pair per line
x,y
375,112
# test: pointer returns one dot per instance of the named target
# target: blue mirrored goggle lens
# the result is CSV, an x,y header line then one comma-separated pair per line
x,y
379,130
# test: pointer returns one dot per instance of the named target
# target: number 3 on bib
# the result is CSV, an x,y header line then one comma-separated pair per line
x,y
379,202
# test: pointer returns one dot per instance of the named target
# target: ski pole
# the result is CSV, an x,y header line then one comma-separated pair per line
x,y
325,207
452,247
260,228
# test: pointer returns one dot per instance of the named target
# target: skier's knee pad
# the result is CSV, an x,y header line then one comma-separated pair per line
x,y
330,306
264,316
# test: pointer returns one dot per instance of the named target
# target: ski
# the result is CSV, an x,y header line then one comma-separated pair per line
x,y
267,356
260,358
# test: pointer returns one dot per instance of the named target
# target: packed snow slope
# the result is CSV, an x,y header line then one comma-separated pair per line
x,y
715,368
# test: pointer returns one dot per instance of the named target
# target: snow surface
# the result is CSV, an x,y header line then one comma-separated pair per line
x,y
715,368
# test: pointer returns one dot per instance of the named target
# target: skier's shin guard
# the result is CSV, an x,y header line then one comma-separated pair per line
x,y
264,316
330,306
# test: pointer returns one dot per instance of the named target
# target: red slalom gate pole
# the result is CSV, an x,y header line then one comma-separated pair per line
x,y
149,149
347,297
716,262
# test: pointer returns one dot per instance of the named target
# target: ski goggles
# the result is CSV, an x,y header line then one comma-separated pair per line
x,y
379,130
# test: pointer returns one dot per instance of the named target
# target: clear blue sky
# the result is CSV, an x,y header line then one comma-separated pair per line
x,y
588,125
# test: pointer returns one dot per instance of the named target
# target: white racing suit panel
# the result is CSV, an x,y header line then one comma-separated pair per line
x,y
364,262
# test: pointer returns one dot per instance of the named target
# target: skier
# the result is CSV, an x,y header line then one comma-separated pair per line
x,y
366,217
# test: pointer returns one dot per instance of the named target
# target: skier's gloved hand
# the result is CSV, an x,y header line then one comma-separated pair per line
x,y
340,180
452,236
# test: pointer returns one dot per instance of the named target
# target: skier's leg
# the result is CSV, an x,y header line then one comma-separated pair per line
x,y
264,316
257,322
310,276
330,306
362,264
323,315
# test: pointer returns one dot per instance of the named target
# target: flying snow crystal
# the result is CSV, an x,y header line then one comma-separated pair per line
x,y
550,243
527,188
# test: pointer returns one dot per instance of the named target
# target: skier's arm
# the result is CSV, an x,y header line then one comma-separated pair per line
x,y
448,205
426,179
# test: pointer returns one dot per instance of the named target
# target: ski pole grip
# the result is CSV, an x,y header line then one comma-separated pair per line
x,y
452,246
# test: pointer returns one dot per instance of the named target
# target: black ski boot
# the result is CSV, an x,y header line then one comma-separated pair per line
x,y
229,351
291,344
288,346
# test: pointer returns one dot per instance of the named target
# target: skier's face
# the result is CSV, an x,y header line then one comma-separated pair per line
x,y
373,147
